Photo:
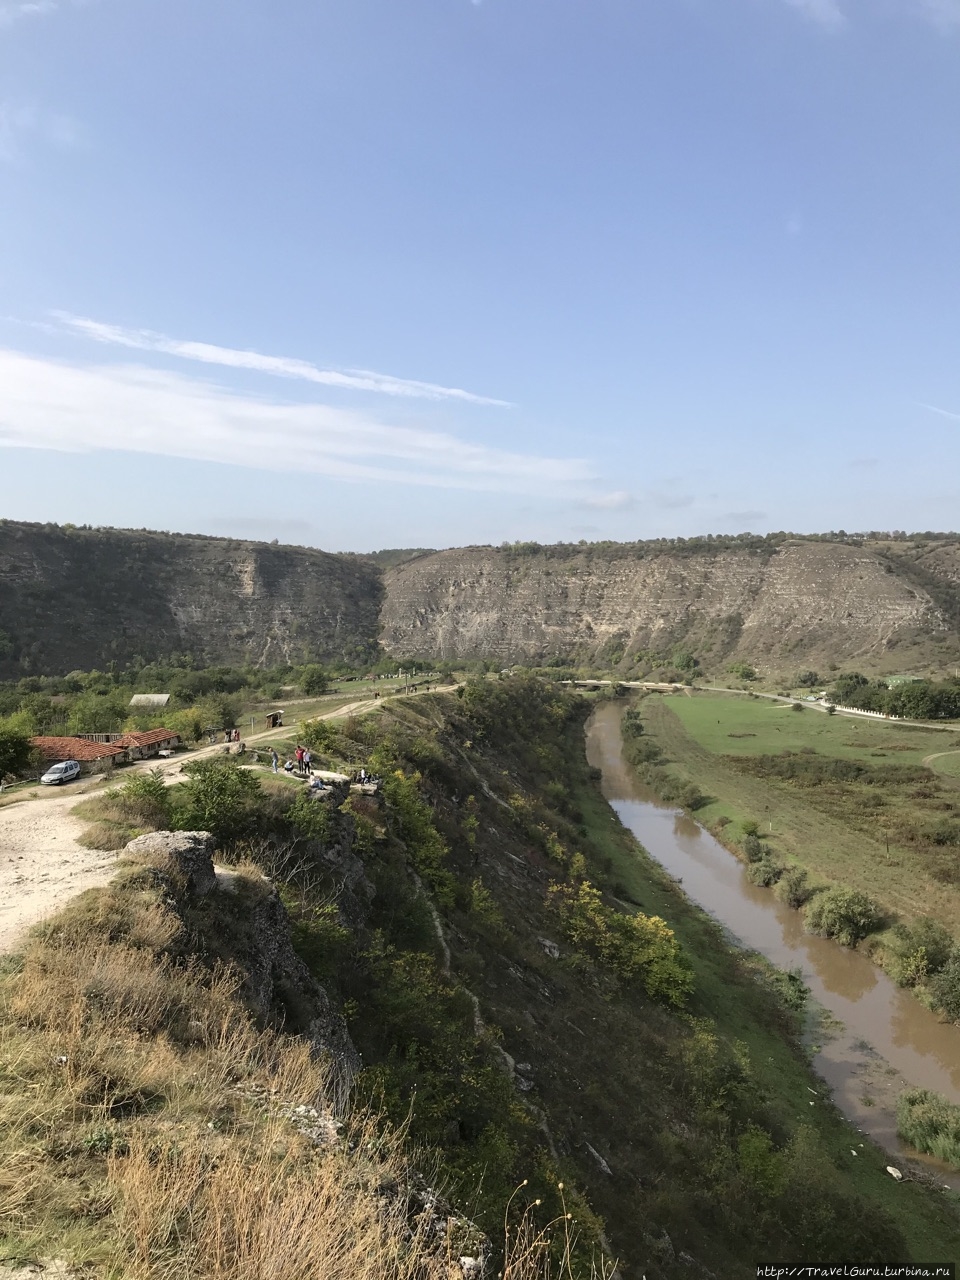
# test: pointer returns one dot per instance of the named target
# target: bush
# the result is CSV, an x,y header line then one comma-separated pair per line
x,y
846,915
219,798
766,872
753,849
632,946
145,796
790,987
792,888
930,1123
920,949
945,987
743,670
313,680
751,827
15,752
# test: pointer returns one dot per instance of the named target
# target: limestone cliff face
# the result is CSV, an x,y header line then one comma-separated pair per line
x,y
801,598
81,598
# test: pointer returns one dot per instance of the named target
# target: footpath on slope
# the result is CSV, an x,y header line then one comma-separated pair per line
x,y
42,865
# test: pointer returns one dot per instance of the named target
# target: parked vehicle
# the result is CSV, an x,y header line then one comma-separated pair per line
x,y
65,771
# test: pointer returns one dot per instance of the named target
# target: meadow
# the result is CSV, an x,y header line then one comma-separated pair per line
x,y
853,802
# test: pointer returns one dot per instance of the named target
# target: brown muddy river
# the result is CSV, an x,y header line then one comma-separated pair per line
x,y
887,1039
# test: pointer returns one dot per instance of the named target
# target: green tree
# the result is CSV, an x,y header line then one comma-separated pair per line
x,y
219,798
15,752
313,680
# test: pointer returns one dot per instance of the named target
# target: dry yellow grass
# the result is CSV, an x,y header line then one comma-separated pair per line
x,y
148,1128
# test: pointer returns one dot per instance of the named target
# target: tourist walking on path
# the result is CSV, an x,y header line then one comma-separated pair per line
x,y
275,758
299,758
308,762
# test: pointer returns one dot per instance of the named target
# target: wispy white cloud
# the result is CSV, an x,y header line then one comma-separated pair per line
x,y
22,122
47,404
827,13
942,13
279,366
944,413
15,10
620,500
11,13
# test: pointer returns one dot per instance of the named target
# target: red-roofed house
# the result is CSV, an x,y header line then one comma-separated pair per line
x,y
148,743
91,755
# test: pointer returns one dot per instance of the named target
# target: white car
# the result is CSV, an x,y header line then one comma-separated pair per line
x,y
66,771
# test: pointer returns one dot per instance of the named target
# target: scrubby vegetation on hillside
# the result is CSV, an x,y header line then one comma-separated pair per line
x,y
534,1003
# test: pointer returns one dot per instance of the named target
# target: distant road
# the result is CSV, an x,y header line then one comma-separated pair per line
x,y
950,727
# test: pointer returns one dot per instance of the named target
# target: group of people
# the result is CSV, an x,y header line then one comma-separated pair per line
x,y
301,764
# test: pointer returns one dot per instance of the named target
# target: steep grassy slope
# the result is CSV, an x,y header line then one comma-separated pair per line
x,y
682,1125
492,935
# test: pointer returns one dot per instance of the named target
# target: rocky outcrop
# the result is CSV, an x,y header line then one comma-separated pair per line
x,y
185,856
241,920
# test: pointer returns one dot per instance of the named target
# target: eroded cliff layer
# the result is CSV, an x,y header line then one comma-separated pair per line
x,y
76,599
81,598
793,600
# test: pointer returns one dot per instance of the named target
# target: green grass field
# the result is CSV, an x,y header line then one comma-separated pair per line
x,y
730,725
864,836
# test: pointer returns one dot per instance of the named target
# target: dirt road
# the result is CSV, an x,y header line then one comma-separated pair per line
x,y
41,864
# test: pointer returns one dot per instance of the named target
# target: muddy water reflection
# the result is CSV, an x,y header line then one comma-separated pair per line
x,y
888,1038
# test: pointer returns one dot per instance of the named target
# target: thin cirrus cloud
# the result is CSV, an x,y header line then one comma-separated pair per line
x,y
944,413
279,366
21,123
826,13
942,13
48,404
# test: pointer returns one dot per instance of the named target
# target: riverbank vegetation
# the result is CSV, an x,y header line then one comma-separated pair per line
x,y
931,1124
533,998
848,816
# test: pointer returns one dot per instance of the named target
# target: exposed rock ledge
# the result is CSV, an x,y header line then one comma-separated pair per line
x,y
275,978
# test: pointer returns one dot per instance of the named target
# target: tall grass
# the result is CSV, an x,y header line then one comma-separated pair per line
x,y
148,1126
930,1123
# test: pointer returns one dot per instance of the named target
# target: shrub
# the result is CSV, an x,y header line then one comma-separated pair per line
x,y
793,889
945,987
846,915
743,670
751,827
930,1123
318,735
15,752
313,680
310,818
219,798
766,872
920,950
146,796
790,987
426,847
753,849
630,945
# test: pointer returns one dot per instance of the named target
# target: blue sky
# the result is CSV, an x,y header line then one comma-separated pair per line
x,y
435,272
